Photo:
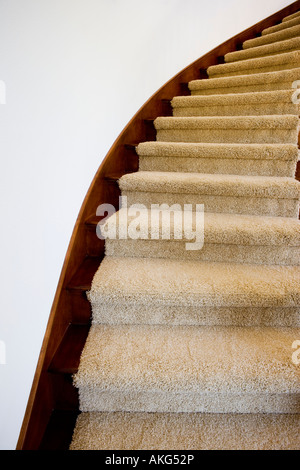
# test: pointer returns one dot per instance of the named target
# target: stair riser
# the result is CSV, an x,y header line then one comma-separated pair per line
x,y
281,26
210,252
280,80
271,136
186,402
180,283
281,152
219,166
223,71
291,17
243,110
126,313
171,431
283,85
281,47
219,204
271,38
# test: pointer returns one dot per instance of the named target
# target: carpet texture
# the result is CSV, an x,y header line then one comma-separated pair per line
x,y
228,238
194,292
238,159
193,331
291,17
186,431
279,47
255,195
191,283
287,33
269,63
256,82
244,104
138,368
281,26
229,129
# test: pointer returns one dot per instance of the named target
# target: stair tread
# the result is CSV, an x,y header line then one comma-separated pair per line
x,y
278,47
262,97
282,128
219,150
281,26
213,184
187,431
228,122
275,102
194,283
285,58
292,16
286,76
286,33
204,360
218,228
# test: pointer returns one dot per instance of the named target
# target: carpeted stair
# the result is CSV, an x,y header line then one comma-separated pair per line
x,y
192,348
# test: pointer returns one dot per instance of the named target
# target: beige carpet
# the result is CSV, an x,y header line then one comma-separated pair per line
x,y
187,431
238,159
255,103
193,348
189,369
269,63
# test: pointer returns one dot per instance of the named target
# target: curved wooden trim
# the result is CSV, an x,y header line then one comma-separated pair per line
x,y
121,158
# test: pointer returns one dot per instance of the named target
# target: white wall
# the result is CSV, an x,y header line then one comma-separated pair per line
x,y
76,71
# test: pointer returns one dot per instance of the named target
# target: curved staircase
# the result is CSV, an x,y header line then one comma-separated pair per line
x,y
151,345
